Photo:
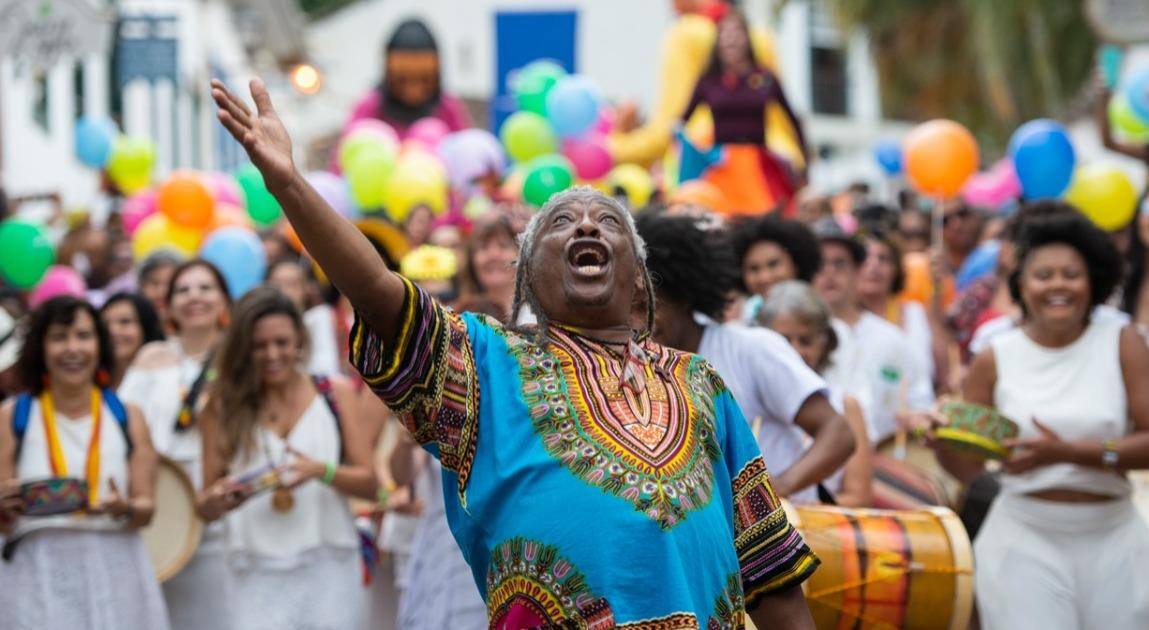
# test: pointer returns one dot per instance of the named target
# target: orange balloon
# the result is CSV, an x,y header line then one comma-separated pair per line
x,y
919,285
186,201
701,193
940,155
227,215
291,236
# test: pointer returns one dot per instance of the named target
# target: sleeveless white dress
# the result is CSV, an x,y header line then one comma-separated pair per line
x,y
299,569
78,571
198,596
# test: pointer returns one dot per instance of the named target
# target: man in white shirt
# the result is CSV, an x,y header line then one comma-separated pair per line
x,y
783,400
873,362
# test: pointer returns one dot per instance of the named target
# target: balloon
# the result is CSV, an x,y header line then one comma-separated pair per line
x,y
701,193
422,160
334,191
981,262
888,153
292,237
546,176
94,138
229,216
130,163
58,280
1137,91
939,156
262,206
471,154
373,127
428,132
993,189
527,136
573,105
533,82
605,123
634,182
137,208
413,184
366,175
590,157
239,256
25,253
158,232
1110,59
1104,194
1125,122
1043,157
512,188
223,188
356,143
186,201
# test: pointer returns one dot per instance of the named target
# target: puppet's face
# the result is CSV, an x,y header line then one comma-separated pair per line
x,y
412,76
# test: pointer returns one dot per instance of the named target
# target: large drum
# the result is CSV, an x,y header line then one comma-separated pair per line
x,y
174,533
887,569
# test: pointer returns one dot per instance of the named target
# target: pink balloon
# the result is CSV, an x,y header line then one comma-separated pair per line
x,y
428,131
993,188
605,123
372,126
137,208
59,280
590,157
224,189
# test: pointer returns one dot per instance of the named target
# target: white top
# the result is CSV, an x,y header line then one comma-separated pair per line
x,y
324,358
320,516
874,364
1005,323
916,324
75,434
159,394
1077,391
770,382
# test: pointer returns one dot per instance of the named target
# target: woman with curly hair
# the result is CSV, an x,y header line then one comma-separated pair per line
x,y
770,250
1063,545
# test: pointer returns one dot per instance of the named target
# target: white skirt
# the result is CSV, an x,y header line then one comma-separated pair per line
x,y
95,580
198,597
321,589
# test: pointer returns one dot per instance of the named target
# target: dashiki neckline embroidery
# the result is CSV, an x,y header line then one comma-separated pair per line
x,y
655,449
529,585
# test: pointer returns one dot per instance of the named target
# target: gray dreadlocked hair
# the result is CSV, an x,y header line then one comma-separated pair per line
x,y
576,196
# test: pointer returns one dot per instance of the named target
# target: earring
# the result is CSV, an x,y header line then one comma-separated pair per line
x,y
224,319
46,380
103,379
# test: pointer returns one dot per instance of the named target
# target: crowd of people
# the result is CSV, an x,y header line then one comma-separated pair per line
x,y
593,414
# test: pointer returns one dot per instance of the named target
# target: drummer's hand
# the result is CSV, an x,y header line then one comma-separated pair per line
x,y
402,502
923,424
302,469
114,504
11,505
1030,453
222,497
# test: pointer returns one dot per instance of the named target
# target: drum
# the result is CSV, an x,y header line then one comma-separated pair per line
x,y
908,477
887,569
174,533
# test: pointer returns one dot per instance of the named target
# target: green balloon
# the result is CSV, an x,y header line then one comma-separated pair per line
x,y
262,206
1125,121
527,135
366,174
25,253
546,176
534,82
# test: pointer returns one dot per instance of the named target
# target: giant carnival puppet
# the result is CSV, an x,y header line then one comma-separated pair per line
x,y
411,89
721,98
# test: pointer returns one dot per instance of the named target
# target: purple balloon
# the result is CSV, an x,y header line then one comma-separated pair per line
x,y
334,191
470,154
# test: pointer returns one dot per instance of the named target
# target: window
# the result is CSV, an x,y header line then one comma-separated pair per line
x,y
40,99
828,80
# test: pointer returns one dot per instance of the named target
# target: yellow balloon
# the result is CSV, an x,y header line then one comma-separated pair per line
x,y
635,181
1103,193
415,182
158,232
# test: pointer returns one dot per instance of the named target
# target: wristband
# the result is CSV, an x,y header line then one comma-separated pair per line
x,y
329,473
1109,455
383,496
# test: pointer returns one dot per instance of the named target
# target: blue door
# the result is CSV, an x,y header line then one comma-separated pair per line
x,y
522,37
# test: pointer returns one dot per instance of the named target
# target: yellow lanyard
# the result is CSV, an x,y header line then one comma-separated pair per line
x,y
56,453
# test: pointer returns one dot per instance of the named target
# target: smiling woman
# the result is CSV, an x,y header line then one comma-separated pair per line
x,y
558,437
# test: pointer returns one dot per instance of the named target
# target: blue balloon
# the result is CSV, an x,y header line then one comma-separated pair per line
x,y
1043,157
888,153
239,255
1137,91
94,137
573,105
981,262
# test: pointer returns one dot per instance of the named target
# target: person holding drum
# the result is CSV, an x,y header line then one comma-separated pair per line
x,y
72,555
293,551
1063,545
167,381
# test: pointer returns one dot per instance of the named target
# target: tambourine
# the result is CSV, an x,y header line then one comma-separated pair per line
x,y
51,497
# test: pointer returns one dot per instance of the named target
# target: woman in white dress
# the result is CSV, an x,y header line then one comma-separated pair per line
x,y
292,551
85,569
167,381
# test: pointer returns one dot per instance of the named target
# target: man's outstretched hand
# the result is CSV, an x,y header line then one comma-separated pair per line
x,y
262,135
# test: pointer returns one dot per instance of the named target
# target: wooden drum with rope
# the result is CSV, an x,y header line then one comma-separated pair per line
x,y
887,568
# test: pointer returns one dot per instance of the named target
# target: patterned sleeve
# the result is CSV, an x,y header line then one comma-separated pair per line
x,y
772,554
427,377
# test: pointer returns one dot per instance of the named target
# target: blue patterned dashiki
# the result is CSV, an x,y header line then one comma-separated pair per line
x,y
577,502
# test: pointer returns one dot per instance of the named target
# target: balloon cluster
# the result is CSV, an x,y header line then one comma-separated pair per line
x,y
127,160
1129,109
558,137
